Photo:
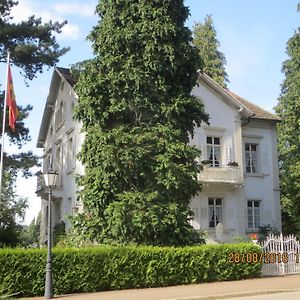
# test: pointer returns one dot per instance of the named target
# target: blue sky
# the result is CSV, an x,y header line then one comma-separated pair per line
x,y
253,36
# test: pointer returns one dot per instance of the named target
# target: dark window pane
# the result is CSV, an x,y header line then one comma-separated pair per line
x,y
209,140
218,201
249,203
210,201
256,203
211,223
247,147
217,141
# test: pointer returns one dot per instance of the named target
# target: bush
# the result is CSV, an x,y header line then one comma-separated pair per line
x,y
111,268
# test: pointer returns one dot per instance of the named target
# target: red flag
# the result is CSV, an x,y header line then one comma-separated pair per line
x,y
11,101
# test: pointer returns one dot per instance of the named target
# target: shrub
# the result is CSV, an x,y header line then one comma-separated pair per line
x,y
120,267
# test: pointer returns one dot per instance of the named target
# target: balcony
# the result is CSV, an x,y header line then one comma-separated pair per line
x,y
222,174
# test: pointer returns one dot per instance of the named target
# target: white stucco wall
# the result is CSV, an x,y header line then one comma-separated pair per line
x,y
65,200
264,186
225,122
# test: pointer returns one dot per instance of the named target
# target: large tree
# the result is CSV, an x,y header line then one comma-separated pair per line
x,y
288,109
213,60
32,45
137,112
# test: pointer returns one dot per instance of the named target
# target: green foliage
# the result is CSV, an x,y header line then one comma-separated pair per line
x,y
288,109
32,44
213,60
12,212
112,268
265,230
242,239
30,235
137,112
59,232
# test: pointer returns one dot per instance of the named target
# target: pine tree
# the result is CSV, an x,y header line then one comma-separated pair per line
x,y
213,60
137,113
32,45
288,109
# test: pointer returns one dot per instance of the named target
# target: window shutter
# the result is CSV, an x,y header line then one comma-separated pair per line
x,y
228,145
265,158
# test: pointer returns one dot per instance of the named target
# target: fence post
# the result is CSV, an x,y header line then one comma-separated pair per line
x,y
281,253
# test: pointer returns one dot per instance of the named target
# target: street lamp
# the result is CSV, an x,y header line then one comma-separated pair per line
x,y
50,180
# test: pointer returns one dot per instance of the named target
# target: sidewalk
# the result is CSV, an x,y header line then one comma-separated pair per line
x,y
214,290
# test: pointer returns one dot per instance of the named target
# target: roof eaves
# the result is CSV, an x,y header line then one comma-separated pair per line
x,y
227,95
48,110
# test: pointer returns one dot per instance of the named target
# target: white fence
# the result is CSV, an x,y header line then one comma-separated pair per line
x,y
281,255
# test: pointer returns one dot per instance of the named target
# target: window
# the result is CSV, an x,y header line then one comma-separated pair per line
x,y
215,211
59,115
213,150
58,158
70,154
49,164
58,165
253,214
251,158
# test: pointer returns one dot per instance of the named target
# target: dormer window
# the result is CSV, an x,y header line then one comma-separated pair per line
x,y
213,150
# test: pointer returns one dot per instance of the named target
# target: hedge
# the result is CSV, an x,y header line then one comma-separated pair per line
x,y
102,268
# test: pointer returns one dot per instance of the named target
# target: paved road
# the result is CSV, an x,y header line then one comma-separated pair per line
x,y
278,296
214,290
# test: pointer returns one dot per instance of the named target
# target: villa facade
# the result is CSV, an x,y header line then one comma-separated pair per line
x,y
240,180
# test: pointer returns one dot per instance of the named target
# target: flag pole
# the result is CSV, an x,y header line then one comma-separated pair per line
x,y
3,126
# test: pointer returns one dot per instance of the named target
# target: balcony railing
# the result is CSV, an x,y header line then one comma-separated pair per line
x,y
222,174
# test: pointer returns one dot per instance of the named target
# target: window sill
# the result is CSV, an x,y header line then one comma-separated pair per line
x,y
60,126
255,175
249,230
70,170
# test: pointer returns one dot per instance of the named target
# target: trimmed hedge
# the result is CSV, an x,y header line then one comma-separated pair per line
x,y
111,268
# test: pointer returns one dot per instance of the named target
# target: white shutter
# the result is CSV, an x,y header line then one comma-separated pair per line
x,y
263,152
228,149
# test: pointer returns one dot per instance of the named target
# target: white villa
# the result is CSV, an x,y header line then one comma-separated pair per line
x,y
240,176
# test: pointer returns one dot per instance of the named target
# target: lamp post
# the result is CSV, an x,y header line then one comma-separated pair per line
x,y
50,180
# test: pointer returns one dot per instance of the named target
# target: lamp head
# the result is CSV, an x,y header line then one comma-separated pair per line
x,y
50,178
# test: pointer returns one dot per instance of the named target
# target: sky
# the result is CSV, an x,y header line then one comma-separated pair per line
x,y
252,35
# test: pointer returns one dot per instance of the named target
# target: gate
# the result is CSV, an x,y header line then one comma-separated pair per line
x,y
281,255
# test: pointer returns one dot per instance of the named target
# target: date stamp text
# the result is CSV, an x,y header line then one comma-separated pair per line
x,y
267,257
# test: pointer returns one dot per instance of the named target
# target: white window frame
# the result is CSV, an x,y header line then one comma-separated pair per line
x,y
217,211
59,115
253,214
251,164
213,146
71,155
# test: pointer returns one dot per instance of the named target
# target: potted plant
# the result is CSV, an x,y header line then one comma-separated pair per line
x,y
206,162
232,164
254,237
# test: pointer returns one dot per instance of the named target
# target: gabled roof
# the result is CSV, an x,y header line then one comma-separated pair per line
x,y
254,111
67,75
258,112
58,76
